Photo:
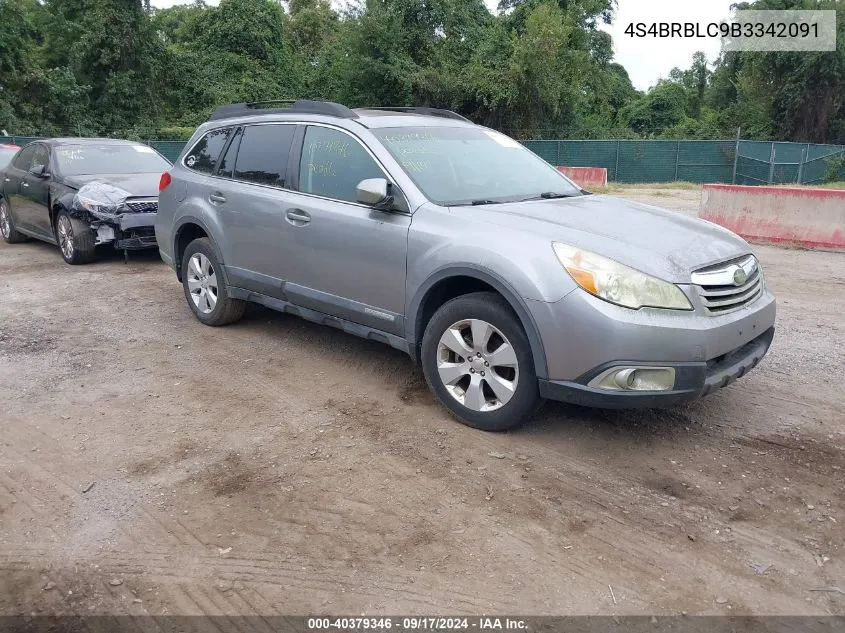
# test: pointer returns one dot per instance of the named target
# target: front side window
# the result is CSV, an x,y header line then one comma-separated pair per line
x,y
40,157
204,155
465,165
108,158
263,154
333,163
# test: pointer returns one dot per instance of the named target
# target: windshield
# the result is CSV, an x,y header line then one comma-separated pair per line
x,y
6,155
78,160
463,165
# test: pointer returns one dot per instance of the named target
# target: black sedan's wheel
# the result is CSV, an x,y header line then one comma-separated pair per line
x,y
76,241
477,360
7,226
205,288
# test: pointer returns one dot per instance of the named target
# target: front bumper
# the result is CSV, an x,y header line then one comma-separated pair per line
x,y
583,336
127,231
692,380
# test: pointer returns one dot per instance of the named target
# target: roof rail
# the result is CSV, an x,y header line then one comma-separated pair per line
x,y
299,106
446,114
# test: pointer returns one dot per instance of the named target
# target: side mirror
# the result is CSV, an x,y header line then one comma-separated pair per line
x,y
375,192
39,171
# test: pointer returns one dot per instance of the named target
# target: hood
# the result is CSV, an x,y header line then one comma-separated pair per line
x,y
656,241
139,185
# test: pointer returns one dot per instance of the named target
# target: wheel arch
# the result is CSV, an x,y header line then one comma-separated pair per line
x,y
61,203
448,283
188,229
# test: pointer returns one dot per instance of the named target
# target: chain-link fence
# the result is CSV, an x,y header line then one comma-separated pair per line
x,y
739,162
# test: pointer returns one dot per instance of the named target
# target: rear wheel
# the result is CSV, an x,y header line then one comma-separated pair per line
x,y
205,288
76,240
477,360
7,227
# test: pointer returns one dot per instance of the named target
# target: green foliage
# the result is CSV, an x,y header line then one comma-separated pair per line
x,y
835,168
535,69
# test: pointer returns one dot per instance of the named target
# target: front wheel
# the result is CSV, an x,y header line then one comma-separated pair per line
x,y
76,240
7,227
477,360
205,288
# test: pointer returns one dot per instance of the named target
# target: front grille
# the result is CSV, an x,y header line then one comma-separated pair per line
x,y
142,206
717,285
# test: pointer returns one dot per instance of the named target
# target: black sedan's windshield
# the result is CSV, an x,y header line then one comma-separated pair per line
x,y
464,165
78,160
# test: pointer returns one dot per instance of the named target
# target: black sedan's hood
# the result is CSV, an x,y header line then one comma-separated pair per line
x,y
137,185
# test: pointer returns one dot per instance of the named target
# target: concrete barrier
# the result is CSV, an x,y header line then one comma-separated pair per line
x,y
586,177
814,218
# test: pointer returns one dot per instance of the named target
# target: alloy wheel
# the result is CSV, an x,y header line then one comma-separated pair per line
x,y
5,225
202,283
65,231
477,364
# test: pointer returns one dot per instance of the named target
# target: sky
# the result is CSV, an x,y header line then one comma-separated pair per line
x,y
650,59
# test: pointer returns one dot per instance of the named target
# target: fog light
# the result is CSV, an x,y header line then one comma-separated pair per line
x,y
635,379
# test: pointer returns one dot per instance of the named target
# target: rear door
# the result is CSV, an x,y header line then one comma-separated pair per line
x,y
12,180
250,198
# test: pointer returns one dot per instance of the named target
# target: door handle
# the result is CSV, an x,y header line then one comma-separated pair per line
x,y
217,198
7,180
297,217
24,184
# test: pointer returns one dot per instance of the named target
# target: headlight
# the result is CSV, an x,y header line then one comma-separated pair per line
x,y
611,281
100,199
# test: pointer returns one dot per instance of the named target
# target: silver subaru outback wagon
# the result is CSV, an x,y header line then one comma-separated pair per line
x,y
455,244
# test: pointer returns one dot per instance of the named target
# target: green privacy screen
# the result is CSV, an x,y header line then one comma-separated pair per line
x,y
743,163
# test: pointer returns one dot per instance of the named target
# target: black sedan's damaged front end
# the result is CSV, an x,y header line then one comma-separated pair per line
x,y
115,216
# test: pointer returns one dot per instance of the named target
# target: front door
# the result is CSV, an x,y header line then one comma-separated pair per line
x,y
345,258
35,194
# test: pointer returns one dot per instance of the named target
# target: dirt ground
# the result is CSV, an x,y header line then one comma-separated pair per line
x,y
151,465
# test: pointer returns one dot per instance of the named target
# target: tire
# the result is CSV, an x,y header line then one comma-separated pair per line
x,y
488,317
201,277
7,226
75,239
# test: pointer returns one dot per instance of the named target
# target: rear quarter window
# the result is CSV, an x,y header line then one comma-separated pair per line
x,y
205,155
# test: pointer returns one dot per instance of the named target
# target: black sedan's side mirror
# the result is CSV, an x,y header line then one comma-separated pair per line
x,y
39,171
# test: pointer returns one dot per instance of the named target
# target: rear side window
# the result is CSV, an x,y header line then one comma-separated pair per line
x,y
24,159
227,163
263,154
333,163
204,156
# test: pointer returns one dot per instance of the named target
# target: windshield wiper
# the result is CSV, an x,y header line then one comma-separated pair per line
x,y
551,195
477,203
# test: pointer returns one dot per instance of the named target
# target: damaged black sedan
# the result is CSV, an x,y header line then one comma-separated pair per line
x,y
81,194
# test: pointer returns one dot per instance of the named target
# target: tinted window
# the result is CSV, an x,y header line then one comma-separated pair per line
x,y
204,155
109,158
40,157
227,163
263,154
24,159
333,163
